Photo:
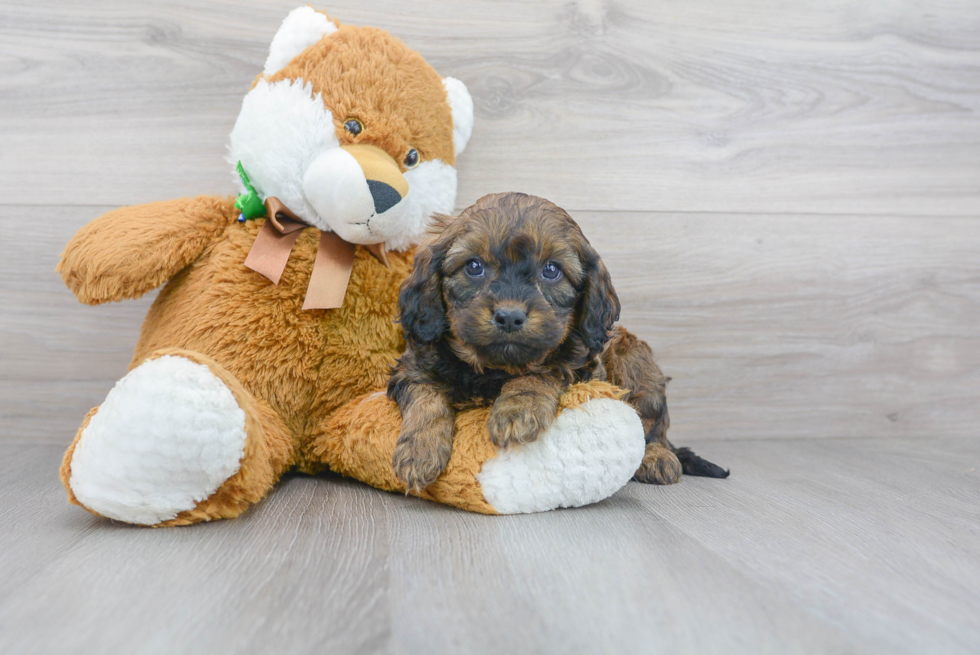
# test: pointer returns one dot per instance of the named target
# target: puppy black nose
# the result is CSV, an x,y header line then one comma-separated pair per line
x,y
385,196
510,320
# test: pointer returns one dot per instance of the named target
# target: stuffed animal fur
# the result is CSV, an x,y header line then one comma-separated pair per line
x,y
236,378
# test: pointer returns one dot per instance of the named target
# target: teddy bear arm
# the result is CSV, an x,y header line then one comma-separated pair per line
x,y
132,250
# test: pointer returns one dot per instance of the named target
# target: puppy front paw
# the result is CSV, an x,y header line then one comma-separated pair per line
x,y
421,456
659,466
519,419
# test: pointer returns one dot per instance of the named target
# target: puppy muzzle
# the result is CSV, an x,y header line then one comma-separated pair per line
x,y
358,190
510,333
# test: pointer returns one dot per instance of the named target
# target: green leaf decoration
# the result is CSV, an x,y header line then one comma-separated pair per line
x,y
249,203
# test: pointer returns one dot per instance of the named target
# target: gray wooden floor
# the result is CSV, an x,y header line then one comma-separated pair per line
x,y
789,201
842,545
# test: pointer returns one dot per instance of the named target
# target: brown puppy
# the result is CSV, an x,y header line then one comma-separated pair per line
x,y
508,305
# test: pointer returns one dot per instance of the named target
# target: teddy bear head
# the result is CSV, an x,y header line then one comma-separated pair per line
x,y
352,131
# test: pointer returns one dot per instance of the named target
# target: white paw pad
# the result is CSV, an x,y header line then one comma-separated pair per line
x,y
588,454
167,436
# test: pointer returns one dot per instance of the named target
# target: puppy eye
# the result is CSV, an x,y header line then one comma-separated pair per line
x,y
474,268
412,158
353,126
550,271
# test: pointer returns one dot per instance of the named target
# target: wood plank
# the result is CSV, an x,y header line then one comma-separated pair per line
x,y
849,527
838,107
771,326
230,587
58,358
610,578
866,545
842,534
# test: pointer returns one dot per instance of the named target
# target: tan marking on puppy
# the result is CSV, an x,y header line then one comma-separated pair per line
x,y
426,440
464,249
526,407
467,353
629,363
659,466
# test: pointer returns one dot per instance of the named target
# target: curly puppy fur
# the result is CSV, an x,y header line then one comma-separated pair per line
x,y
508,305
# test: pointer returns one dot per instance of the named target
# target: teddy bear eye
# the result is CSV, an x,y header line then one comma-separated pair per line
x,y
474,268
353,126
412,158
551,271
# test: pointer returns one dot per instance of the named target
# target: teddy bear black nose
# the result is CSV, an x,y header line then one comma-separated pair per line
x,y
510,319
385,196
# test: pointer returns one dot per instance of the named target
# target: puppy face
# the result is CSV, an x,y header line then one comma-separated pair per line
x,y
507,283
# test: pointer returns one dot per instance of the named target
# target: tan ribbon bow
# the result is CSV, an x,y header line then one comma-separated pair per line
x,y
334,256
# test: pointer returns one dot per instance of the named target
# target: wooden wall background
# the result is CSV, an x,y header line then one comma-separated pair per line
x,y
788,197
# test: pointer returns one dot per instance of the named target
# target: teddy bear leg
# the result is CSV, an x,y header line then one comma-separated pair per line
x,y
591,450
178,440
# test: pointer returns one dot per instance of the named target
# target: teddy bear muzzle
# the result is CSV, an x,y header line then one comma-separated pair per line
x,y
350,187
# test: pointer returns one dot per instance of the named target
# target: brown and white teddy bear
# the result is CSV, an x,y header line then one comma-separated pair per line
x,y
271,342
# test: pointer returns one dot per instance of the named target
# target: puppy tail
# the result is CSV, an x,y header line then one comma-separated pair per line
x,y
691,464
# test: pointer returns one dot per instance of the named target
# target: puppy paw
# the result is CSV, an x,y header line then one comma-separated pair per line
x,y
519,419
420,457
659,466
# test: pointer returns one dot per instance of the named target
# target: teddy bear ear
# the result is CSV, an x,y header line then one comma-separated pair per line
x,y
302,28
461,105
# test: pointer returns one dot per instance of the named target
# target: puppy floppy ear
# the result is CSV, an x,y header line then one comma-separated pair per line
x,y
599,306
423,315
